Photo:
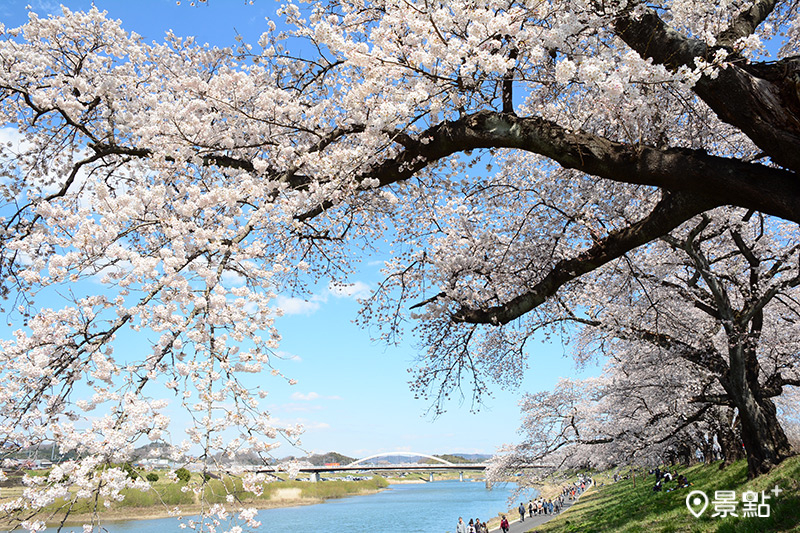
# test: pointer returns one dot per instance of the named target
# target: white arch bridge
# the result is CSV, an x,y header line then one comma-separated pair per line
x,y
363,465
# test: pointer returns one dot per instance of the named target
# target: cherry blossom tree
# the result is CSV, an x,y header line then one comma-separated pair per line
x,y
698,332
635,413
195,184
604,423
740,281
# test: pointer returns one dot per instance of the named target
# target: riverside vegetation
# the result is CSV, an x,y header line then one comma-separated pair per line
x,y
193,496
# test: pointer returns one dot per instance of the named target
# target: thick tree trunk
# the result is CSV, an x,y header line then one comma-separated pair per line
x,y
728,438
685,455
764,440
708,451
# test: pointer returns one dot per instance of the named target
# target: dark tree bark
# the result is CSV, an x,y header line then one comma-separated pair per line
x,y
764,440
728,438
737,369
707,449
684,453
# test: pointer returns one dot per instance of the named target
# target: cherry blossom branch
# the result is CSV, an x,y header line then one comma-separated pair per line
x,y
726,181
670,212
746,22
749,97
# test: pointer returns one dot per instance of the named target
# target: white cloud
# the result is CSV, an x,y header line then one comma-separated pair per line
x,y
12,139
299,407
232,278
305,397
288,356
301,306
107,268
307,424
311,396
298,306
315,425
13,144
45,7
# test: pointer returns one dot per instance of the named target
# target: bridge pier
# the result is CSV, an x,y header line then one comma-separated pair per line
x,y
313,477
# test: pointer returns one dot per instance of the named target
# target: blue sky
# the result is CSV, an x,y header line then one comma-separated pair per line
x,y
352,393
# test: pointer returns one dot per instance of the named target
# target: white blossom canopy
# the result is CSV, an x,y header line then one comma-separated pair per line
x,y
196,183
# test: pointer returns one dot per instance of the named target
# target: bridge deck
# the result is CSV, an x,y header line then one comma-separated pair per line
x,y
362,468
403,467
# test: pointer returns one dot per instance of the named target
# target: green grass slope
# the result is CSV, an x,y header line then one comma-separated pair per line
x,y
621,507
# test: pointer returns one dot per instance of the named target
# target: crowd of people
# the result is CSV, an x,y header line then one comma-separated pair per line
x,y
474,526
538,506
541,506
545,506
662,478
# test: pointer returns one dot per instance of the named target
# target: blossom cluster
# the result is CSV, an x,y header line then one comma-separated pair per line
x,y
171,192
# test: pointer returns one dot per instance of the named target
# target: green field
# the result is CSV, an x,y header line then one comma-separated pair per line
x,y
623,507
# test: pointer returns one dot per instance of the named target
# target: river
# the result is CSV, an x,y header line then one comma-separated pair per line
x,y
419,508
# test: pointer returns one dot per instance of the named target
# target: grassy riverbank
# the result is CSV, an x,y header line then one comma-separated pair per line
x,y
193,497
625,508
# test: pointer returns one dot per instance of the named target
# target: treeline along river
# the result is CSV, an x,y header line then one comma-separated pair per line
x,y
423,508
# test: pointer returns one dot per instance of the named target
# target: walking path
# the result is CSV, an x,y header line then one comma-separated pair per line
x,y
531,522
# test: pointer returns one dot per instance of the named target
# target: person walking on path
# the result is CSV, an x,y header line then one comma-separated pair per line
x,y
522,512
504,524
461,527
517,526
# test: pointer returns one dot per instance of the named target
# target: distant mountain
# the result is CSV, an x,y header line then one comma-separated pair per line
x,y
155,451
248,457
323,459
461,458
330,457
320,459
475,457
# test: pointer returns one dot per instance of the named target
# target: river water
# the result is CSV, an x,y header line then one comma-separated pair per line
x,y
419,508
